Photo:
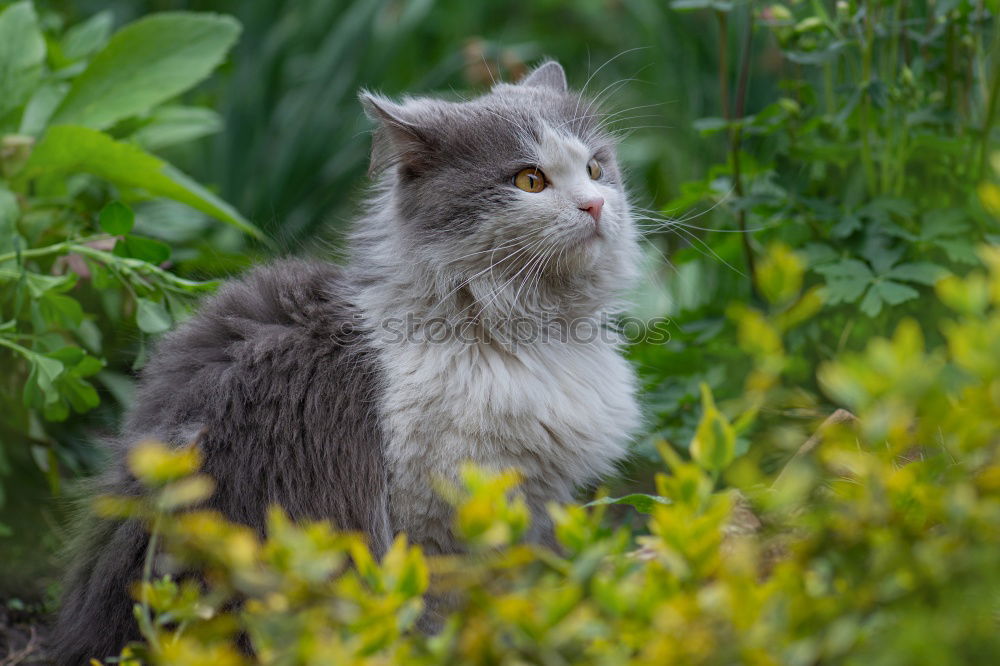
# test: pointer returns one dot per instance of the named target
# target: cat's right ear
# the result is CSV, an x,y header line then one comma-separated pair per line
x,y
397,139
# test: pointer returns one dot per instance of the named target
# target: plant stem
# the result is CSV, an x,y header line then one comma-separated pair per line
x,y
723,64
78,247
55,248
890,72
145,616
991,106
865,118
828,89
735,144
23,351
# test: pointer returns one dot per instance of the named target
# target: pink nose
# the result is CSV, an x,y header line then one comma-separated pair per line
x,y
593,207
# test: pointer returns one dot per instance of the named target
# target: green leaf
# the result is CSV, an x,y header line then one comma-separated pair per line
x,y
714,443
84,38
692,5
151,317
871,305
921,272
70,355
177,124
845,290
846,268
146,249
38,285
22,51
943,222
44,372
642,502
145,63
848,224
69,149
81,394
62,309
959,250
116,218
40,107
894,293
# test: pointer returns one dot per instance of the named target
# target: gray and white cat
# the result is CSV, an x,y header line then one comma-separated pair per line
x,y
471,323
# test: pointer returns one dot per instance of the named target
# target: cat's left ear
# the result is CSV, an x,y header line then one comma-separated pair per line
x,y
398,138
547,75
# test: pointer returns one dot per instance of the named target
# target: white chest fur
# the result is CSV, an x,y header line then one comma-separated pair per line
x,y
560,412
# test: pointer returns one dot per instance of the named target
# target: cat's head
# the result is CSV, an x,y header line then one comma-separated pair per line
x,y
519,184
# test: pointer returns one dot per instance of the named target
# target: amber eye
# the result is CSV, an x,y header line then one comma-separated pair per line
x,y
594,169
530,180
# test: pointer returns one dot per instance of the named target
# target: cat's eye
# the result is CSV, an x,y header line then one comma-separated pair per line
x,y
594,169
530,180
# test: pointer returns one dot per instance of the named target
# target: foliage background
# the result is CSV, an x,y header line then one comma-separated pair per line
x,y
853,135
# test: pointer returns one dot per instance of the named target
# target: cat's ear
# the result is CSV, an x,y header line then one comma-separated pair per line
x,y
547,75
397,138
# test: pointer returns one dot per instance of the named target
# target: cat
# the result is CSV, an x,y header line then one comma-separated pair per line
x,y
472,322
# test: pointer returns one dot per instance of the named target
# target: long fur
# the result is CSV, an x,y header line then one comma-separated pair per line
x,y
348,394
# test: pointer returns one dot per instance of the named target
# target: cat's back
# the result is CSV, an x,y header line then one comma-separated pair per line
x,y
272,326
275,380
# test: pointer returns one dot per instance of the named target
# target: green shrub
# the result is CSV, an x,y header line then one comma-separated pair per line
x,y
865,161
877,547
81,278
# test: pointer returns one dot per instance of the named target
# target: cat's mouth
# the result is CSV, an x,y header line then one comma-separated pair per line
x,y
588,234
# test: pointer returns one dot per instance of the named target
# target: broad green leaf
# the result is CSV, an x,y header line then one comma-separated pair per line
x,y
40,107
921,272
84,38
642,502
895,293
62,309
871,304
145,63
69,355
44,372
846,268
845,290
38,284
116,218
151,317
714,443
959,250
848,224
177,124
21,41
69,149
22,51
817,253
146,249
943,222
81,394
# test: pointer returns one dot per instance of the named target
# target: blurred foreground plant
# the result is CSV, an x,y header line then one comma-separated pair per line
x,y
878,546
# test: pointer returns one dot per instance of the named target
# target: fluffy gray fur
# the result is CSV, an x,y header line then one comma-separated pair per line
x,y
347,394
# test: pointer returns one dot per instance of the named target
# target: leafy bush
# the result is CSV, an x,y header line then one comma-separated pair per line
x,y
865,161
877,547
81,278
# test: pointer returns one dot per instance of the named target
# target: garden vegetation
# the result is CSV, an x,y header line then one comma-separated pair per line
x,y
841,254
